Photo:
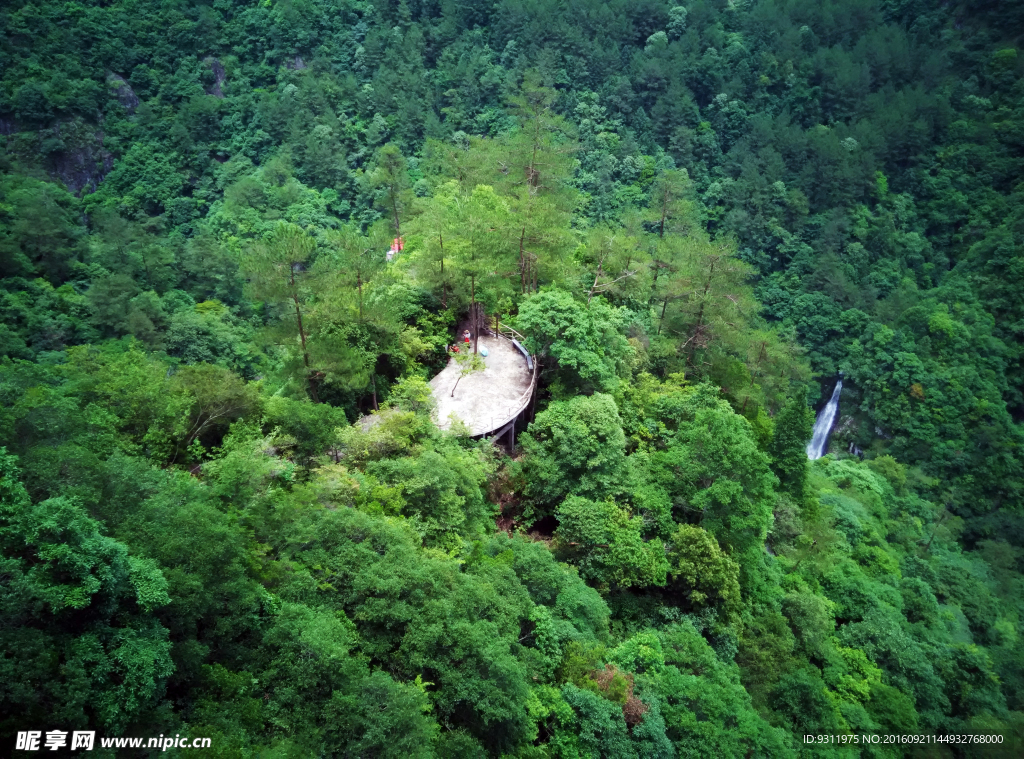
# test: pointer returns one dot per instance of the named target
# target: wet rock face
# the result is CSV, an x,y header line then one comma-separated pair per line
x,y
845,431
82,162
125,94
846,426
220,74
71,151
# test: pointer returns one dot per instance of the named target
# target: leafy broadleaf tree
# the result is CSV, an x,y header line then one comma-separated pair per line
x,y
702,573
575,447
40,236
607,544
708,461
582,345
79,613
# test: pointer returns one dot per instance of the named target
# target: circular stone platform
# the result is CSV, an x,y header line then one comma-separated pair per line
x,y
487,400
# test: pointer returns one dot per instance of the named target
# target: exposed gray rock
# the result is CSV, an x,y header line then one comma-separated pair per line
x,y
125,94
82,162
296,63
220,74
846,425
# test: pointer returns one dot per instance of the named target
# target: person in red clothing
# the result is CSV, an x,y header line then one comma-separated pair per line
x,y
465,336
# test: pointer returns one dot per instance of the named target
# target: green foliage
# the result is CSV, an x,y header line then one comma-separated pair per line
x,y
317,689
710,465
704,707
578,612
607,544
575,446
79,610
391,182
582,342
468,363
700,572
40,234
440,490
793,427
463,636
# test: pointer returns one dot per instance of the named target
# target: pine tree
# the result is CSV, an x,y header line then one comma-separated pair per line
x,y
278,269
793,427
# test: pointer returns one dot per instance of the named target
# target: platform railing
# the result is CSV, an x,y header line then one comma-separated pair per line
x,y
503,328
512,410
517,340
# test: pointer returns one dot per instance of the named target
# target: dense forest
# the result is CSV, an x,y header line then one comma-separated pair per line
x,y
225,510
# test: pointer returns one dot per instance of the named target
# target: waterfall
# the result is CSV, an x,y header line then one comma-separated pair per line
x,y
823,425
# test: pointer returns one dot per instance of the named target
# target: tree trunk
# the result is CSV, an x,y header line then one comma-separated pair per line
x,y
522,259
394,208
533,396
753,375
664,211
302,337
700,312
597,278
473,314
444,288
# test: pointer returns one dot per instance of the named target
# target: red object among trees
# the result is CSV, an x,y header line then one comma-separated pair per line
x,y
397,245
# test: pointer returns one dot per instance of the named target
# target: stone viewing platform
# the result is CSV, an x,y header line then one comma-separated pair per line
x,y
488,400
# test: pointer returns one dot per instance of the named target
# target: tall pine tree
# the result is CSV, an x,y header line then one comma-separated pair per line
x,y
793,428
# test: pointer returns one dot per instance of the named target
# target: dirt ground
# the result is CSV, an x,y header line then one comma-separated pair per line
x,y
488,399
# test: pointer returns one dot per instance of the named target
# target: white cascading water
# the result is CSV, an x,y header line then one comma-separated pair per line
x,y
823,425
